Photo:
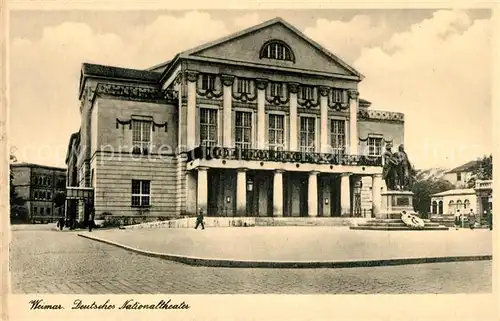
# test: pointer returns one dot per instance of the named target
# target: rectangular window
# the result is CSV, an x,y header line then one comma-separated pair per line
x,y
306,92
243,137
41,211
35,210
243,86
276,90
337,136
459,177
141,136
207,82
307,134
48,211
208,127
141,193
276,132
375,146
49,196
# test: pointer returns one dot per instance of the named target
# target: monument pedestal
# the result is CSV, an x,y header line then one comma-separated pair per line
x,y
394,202
389,218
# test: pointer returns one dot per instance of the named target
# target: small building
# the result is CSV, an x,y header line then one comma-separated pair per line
x,y
460,176
449,202
38,185
478,198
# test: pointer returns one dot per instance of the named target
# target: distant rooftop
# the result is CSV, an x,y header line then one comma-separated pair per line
x,y
31,165
467,167
465,191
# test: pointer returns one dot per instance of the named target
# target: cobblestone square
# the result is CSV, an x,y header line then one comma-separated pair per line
x,y
47,261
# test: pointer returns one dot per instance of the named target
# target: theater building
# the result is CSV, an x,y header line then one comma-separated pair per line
x,y
264,122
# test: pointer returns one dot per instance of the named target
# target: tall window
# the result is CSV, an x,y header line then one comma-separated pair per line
x,y
451,207
35,210
243,86
48,211
207,82
277,50
375,146
459,177
243,125
306,92
307,134
41,211
141,136
208,126
276,132
337,130
276,89
141,193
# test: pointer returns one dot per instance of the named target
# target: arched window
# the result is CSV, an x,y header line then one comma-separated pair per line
x,y
451,207
277,49
466,204
434,207
440,209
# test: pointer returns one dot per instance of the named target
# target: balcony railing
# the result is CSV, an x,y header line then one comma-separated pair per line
x,y
212,152
486,184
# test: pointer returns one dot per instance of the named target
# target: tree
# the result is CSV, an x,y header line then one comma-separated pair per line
x,y
423,189
18,211
483,171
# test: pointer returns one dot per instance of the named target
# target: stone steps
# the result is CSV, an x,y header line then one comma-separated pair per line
x,y
306,221
398,228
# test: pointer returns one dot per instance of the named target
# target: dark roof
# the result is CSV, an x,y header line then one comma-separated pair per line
x,y
467,167
162,66
32,165
364,103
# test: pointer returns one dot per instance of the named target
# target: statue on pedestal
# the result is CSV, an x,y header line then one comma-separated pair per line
x,y
397,171
389,172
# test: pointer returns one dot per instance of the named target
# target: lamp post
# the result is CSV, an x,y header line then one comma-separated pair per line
x,y
357,198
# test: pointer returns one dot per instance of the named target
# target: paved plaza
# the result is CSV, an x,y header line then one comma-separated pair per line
x,y
301,244
48,261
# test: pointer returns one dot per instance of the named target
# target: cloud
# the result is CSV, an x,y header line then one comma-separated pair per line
x,y
45,73
347,39
438,74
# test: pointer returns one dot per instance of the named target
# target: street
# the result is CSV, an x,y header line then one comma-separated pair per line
x,y
48,261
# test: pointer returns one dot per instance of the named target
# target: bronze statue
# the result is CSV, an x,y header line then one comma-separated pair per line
x,y
389,172
404,169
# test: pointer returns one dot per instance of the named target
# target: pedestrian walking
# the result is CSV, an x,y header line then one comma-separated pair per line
x,y
199,220
472,219
91,219
60,223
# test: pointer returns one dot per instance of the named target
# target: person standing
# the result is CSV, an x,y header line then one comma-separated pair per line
x,y
457,220
199,220
60,223
91,219
472,219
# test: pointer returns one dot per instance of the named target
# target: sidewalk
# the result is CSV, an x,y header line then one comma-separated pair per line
x,y
308,246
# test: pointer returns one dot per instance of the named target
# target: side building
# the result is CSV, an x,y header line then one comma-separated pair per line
x,y
38,185
264,123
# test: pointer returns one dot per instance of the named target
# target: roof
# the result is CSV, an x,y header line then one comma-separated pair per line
x,y
102,71
466,191
246,31
467,167
33,165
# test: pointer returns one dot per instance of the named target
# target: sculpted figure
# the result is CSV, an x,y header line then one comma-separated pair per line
x,y
389,172
404,169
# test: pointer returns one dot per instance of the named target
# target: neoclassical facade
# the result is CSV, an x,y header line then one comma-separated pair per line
x,y
264,123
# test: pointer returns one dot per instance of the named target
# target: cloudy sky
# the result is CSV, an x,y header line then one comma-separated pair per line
x,y
432,65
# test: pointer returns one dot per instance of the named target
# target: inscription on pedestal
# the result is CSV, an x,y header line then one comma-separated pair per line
x,y
401,201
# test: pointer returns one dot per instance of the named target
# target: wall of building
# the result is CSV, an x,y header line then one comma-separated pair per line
x,y
447,210
389,130
453,178
113,184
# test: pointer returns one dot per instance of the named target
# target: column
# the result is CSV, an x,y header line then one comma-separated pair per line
x,y
312,197
324,119
345,195
202,189
353,121
261,113
192,77
227,123
241,192
278,193
377,194
293,88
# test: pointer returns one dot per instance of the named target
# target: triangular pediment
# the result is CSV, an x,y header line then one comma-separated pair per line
x,y
245,46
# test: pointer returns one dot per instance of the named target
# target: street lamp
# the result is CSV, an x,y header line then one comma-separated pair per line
x,y
357,198
249,185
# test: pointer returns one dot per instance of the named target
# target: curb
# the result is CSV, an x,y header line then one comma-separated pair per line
x,y
195,261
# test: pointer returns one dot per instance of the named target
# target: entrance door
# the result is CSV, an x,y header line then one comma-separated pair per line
x,y
304,187
335,196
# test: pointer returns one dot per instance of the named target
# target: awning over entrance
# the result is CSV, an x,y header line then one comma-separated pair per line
x,y
77,193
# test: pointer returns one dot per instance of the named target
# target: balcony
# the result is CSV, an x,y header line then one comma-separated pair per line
x,y
486,184
208,153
